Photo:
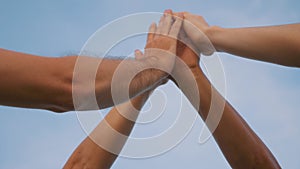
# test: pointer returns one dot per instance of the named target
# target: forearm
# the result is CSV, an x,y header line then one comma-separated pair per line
x,y
31,81
113,83
275,44
93,151
34,82
239,144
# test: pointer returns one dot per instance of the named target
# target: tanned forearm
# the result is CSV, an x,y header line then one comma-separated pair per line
x,y
34,82
90,154
48,83
275,44
141,81
31,81
239,144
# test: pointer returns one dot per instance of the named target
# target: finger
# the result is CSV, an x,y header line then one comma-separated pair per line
x,y
138,54
151,32
176,27
177,14
186,14
182,35
165,23
159,26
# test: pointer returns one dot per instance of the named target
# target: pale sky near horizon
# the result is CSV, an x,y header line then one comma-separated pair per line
x,y
266,95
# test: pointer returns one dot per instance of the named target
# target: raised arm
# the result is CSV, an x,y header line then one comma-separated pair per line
x,y
90,154
101,148
275,44
238,142
240,145
121,119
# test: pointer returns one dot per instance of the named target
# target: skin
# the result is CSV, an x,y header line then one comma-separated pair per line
x,y
31,81
89,154
238,142
274,44
50,89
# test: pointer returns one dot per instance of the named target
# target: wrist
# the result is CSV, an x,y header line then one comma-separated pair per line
x,y
148,77
197,72
214,33
154,71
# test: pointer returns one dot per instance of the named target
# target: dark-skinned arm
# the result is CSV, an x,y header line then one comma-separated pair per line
x,y
238,142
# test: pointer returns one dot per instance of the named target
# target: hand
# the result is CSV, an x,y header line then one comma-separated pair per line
x,y
196,29
162,42
188,56
139,55
187,52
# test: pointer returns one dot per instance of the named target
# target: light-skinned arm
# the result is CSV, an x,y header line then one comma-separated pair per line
x,y
275,44
92,152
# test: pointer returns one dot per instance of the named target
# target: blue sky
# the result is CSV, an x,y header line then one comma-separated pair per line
x,y
266,95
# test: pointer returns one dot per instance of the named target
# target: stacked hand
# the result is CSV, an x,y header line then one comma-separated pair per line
x,y
197,29
174,46
162,41
177,34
